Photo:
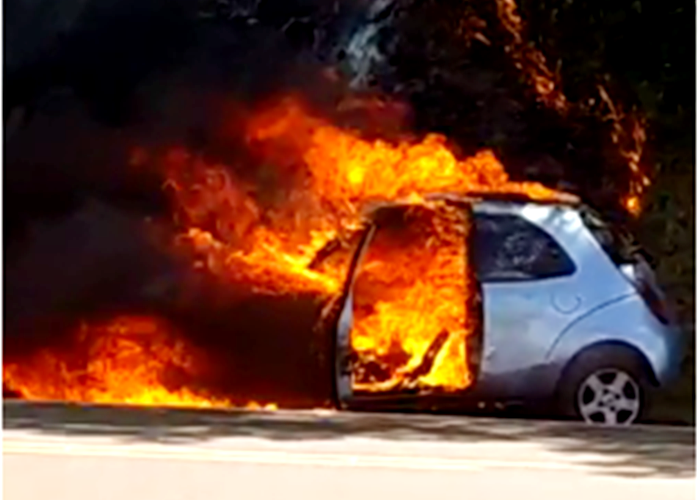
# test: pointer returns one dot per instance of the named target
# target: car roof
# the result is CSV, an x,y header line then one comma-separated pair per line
x,y
562,198
486,198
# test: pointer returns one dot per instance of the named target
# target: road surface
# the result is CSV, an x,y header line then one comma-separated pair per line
x,y
80,453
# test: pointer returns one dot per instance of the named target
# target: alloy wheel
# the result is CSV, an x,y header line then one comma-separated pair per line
x,y
610,396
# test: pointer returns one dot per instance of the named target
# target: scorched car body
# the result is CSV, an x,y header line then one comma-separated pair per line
x,y
571,314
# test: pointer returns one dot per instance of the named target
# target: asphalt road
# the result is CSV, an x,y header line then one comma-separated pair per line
x,y
80,453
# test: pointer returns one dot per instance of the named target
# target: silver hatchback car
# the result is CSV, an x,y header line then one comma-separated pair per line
x,y
571,315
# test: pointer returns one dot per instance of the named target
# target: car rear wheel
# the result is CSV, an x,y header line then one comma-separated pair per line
x,y
606,385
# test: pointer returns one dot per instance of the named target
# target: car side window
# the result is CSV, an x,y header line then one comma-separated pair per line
x,y
509,248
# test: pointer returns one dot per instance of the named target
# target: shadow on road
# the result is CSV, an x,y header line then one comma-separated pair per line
x,y
637,451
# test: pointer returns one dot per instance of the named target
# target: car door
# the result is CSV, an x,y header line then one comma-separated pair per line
x,y
398,313
529,296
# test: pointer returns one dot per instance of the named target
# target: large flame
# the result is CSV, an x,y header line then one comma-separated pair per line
x,y
128,360
335,174
239,232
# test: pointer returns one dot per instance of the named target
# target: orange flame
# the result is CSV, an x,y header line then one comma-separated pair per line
x,y
336,173
631,147
128,360
347,171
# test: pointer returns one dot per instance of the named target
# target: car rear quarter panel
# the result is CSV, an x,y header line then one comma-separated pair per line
x,y
627,321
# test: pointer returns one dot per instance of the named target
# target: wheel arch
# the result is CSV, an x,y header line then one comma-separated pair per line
x,y
602,345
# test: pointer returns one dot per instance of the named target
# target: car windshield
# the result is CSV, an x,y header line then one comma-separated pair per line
x,y
618,243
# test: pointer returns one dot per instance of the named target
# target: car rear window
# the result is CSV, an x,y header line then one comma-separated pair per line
x,y
509,248
615,241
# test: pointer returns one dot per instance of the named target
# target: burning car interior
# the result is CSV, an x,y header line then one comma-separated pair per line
x,y
259,220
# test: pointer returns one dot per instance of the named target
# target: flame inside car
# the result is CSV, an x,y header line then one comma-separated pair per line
x,y
411,303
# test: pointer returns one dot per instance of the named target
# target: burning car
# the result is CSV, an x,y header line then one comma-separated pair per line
x,y
559,307
425,300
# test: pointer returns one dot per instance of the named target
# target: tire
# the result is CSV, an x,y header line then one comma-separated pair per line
x,y
606,385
